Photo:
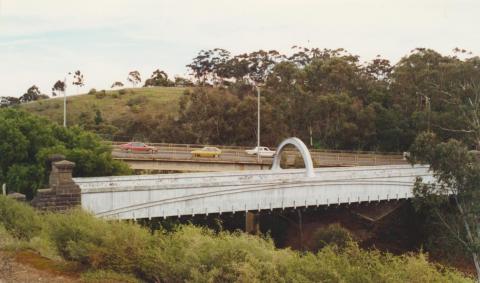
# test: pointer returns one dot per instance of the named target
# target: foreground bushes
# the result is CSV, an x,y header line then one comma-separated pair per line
x,y
192,254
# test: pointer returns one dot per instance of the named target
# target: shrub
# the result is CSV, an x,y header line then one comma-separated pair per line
x,y
137,100
101,276
114,250
135,108
333,234
5,238
101,94
19,219
107,245
122,92
92,91
115,95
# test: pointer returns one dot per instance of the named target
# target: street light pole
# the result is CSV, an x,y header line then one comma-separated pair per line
x,y
258,123
65,102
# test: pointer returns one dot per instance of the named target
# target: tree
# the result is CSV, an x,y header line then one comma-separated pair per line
x,y
32,94
59,86
206,65
6,101
158,78
117,84
98,117
28,140
457,173
183,82
78,79
134,78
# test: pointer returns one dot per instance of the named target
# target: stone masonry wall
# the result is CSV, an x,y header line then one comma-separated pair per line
x,y
63,193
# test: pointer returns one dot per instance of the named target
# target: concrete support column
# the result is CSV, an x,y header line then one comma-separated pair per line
x,y
252,224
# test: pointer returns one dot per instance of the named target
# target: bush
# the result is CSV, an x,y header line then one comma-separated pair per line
x,y
92,91
122,92
137,100
135,108
99,95
19,219
107,276
114,250
107,245
333,234
5,238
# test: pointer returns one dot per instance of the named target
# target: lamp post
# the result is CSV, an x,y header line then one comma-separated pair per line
x,y
428,106
65,100
258,123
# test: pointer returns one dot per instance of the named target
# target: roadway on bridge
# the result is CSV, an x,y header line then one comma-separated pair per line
x,y
229,155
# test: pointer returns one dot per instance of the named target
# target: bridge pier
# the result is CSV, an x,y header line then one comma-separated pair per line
x,y
252,223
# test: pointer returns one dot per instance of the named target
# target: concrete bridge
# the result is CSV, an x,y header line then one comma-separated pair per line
x,y
148,196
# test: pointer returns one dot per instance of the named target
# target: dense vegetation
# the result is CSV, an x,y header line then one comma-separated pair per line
x,y
190,254
28,140
326,95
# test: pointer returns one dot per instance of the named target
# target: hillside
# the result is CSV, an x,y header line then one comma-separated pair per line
x,y
112,105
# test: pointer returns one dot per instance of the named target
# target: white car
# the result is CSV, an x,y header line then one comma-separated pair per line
x,y
261,150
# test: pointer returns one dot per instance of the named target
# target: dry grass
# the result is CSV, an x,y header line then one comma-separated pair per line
x,y
158,100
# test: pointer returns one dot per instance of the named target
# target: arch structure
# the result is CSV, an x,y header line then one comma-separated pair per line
x,y
302,148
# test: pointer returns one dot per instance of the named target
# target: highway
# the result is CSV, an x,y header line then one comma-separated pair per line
x,y
173,152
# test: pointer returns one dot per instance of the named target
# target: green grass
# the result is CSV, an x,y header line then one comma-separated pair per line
x,y
158,100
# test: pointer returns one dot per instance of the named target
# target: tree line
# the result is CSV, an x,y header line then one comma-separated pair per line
x,y
328,97
33,93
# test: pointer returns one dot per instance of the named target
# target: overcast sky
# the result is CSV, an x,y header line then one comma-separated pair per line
x,y
40,41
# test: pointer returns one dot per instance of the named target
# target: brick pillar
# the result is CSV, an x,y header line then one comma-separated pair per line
x,y
67,192
63,193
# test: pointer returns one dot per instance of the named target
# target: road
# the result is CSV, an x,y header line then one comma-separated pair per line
x,y
237,155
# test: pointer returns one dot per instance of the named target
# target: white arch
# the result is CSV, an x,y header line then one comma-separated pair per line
x,y
302,148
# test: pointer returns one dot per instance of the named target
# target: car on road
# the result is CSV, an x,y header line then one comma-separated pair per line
x,y
138,146
208,151
261,150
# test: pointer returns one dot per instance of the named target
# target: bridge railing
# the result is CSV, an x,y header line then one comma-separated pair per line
x,y
234,147
291,158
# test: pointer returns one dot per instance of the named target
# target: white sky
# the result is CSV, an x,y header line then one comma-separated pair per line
x,y
42,40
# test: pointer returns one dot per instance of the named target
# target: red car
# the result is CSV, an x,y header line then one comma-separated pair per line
x,y
138,146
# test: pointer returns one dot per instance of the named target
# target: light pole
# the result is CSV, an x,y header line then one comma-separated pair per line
x,y
65,100
258,123
427,104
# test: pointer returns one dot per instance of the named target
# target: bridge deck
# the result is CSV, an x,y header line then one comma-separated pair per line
x,y
146,196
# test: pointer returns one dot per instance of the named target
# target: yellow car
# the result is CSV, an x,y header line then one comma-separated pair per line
x,y
207,151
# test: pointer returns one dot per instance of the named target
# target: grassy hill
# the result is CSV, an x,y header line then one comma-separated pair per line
x,y
113,105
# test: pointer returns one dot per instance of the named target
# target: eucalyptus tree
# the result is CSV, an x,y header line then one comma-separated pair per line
x,y
134,78
158,78
78,80
33,93
59,86
117,84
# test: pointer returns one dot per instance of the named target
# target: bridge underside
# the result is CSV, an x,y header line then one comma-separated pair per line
x,y
148,196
